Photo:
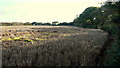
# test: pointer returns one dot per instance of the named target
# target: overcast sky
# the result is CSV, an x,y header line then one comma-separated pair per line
x,y
43,10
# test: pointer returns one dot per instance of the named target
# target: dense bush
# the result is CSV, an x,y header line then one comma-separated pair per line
x,y
107,18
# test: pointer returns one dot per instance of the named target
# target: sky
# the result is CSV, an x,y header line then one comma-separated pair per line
x,y
43,10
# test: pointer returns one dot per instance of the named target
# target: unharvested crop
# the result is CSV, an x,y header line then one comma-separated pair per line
x,y
53,46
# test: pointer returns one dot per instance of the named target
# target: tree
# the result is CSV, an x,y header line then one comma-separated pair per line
x,y
46,24
34,23
64,23
55,23
27,23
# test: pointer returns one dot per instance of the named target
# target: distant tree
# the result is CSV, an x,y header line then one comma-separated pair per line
x,y
16,23
64,23
6,24
27,23
71,23
55,23
39,23
34,23
46,24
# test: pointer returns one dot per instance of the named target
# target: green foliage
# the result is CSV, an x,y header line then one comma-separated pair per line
x,y
27,23
54,23
28,40
17,38
65,24
88,19
6,39
46,24
106,17
34,23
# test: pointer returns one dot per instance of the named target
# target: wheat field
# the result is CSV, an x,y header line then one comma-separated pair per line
x,y
51,45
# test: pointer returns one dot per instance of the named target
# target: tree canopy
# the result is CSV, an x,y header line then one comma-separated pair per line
x,y
107,18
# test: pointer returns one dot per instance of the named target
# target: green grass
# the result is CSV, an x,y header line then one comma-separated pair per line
x,y
17,38
28,40
5,39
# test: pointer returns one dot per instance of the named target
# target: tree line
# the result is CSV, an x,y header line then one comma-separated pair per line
x,y
55,23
